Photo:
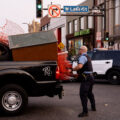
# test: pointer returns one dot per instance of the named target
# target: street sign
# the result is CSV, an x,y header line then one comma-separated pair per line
x,y
61,45
54,11
76,9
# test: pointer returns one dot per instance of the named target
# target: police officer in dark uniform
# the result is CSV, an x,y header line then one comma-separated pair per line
x,y
84,69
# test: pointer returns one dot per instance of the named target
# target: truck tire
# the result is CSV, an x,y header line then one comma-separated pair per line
x,y
13,99
114,77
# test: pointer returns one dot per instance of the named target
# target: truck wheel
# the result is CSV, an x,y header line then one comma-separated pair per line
x,y
13,99
114,77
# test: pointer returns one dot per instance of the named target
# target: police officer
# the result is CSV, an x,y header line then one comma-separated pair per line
x,y
84,69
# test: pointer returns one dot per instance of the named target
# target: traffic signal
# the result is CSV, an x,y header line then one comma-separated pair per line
x,y
38,8
106,35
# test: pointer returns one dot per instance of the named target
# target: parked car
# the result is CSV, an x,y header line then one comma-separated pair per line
x,y
106,64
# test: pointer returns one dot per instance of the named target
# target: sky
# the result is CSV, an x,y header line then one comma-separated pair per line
x,y
24,11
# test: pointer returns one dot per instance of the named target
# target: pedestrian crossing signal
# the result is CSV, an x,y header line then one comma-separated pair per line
x,y
38,8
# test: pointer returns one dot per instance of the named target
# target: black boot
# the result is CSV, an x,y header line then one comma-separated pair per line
x,y
93,108
83,114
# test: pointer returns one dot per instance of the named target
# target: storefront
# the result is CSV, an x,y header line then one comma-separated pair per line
x,y
76,40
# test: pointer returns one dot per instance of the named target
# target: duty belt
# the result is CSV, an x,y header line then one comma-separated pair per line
x,y
88,72
85,75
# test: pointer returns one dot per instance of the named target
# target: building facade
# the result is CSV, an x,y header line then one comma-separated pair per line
x,y
112,23
45,23
75,31
58,25
80,30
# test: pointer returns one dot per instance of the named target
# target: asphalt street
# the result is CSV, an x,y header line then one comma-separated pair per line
x,y
44,108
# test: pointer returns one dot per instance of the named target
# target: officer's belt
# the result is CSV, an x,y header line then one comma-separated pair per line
x,y
85,75
87,72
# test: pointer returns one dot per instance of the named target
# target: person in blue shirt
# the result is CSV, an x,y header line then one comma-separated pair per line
x,y
85,75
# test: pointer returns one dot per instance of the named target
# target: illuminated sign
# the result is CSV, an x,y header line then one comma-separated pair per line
x,y
82,32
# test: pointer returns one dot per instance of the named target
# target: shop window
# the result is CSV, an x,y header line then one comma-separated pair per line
x,y
71,47
69,27
78,44
90,22
117,12
103,20
75,25
82,23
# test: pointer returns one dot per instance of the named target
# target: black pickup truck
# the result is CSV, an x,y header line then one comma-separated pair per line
x,y
21,79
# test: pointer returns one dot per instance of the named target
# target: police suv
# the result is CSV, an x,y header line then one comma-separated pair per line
x,y
106,64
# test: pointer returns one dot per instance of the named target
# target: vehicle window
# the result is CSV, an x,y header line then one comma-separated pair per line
x,y
90,54
99,55
115,56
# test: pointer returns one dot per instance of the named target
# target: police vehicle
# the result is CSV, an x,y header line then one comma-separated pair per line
x,y
106,64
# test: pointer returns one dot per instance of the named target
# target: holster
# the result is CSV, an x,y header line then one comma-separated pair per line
x,y
82,77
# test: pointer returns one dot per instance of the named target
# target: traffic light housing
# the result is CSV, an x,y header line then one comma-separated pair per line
x,y
106,36
38,8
